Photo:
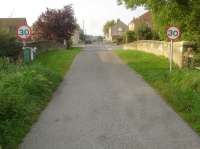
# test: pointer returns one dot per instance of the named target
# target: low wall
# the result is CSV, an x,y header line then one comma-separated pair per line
x,y
161,48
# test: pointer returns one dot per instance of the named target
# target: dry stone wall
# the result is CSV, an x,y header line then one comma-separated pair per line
x,y
161,48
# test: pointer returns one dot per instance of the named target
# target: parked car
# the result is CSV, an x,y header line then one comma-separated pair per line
x,y
88,41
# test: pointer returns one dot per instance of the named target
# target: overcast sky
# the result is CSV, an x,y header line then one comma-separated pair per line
x,y
94,12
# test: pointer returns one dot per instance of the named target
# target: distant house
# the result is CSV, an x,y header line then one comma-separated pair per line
x,y
116,31
143,19
10,24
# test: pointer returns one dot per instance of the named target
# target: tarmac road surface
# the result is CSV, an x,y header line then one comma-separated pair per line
x,y
102,104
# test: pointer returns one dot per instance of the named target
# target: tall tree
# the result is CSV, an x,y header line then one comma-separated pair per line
x,y
55,24
107,25
183,13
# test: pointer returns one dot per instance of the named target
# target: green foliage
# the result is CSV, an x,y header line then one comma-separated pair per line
x,y
183,13
8,45
55,24
119,40
25,91
133,3
196,60
107,25
144,33
192,27
155,35
22,95
181,89
4,64
130,36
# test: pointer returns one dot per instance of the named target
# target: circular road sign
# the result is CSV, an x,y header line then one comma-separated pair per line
x,y
23,32
173,33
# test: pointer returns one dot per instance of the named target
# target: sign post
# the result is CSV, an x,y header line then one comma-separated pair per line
x,y
173,33
24,34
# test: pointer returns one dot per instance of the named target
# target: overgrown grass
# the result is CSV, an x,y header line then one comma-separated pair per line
x,y
25,91
181,88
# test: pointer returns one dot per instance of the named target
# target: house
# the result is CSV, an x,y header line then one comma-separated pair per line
x,y
10,24
146,19
116,31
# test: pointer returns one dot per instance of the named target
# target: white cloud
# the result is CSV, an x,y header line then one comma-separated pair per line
x,y
94,12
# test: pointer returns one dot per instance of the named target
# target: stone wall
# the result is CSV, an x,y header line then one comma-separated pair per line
x,y
161,48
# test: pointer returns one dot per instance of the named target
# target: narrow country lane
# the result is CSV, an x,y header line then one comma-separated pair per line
x,y
102,104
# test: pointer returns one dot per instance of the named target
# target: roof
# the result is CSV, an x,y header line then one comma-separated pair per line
x,y
120,23
6,22
145,16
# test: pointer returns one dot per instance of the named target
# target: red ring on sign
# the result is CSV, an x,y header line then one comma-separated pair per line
x,y
179,33
28,37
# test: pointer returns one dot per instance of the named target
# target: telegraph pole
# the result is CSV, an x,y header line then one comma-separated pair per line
x,y
83,27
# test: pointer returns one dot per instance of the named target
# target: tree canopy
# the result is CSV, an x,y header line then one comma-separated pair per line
x,y
55,24
107,25
183,13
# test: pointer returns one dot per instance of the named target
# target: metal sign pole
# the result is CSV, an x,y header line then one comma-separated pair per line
x,y
171,55
173,33
24,44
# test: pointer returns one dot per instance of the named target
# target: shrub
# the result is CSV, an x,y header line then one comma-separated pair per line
x,y
196,60
130,36
144,33
69,43
119,40
4,64
8,45
155,35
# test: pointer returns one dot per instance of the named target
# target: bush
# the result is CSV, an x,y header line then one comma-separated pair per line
x,y
119,40
130,36
155,35
69,43
4,64
144,33
196,60
8,45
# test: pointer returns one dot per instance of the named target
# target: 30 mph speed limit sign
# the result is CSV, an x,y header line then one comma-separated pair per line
x,y
173,33
24,32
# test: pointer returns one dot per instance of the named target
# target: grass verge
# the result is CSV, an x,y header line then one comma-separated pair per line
x,y
26,90
181,88
58,60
